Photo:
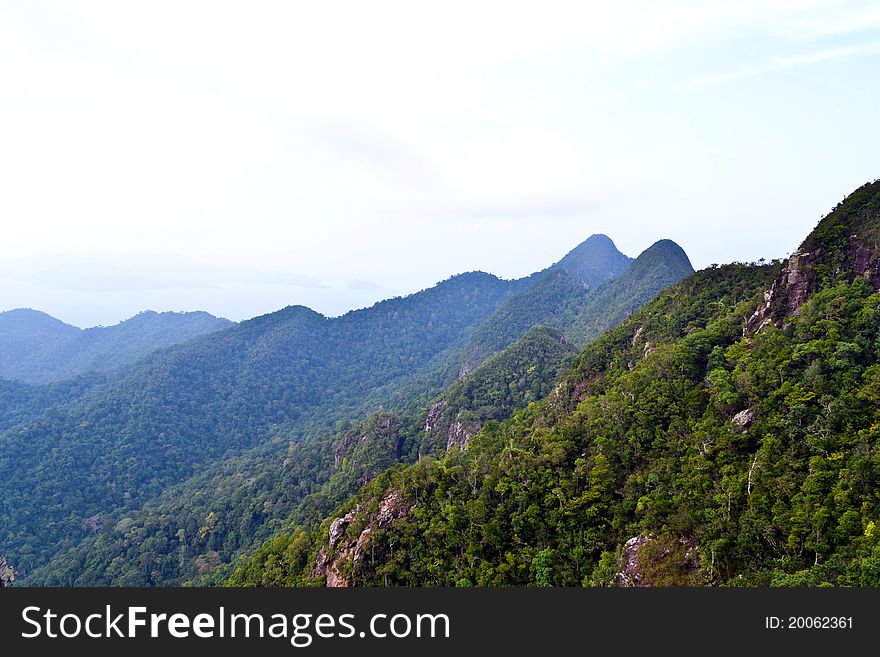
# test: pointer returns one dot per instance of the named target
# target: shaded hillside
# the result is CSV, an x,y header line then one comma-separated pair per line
x,y
556,294
37,348
192,530
21,402
156,422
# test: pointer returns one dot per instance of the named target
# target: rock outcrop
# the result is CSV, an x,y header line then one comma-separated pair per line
x,y
452,431
744,419
786,295
845,245
337,561
660,561
7,574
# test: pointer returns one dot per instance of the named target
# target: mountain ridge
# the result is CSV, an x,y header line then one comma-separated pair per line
x,y
679,449
37,348
258,394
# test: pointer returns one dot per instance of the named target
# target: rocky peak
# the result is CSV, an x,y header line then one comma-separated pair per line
x,y
845,245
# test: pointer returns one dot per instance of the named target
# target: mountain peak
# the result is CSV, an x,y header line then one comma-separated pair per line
x,y
594,261
665,253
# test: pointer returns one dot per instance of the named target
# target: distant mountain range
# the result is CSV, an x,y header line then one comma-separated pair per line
x,y
37,348
179,428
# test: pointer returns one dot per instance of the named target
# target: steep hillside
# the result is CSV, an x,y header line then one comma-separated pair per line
x,y
659,266
193,530
554,295
677,450
844,245
156,422
483,464
37,348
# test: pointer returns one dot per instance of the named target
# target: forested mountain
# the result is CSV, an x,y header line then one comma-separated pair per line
x,y
22,402
573,297
659,266
293,465
234,435
158,420
725,434
193,529
37,348
594,261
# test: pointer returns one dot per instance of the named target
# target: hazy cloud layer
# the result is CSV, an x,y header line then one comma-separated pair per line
x,y
286,151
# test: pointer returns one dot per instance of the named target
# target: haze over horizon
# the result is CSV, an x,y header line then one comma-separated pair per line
x,y
236,161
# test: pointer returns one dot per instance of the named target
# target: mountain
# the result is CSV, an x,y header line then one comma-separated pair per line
x,y
174,466
579,296
553,295
23,402
725,434
154,423
659,266
593,261
37,348
298,467
193,531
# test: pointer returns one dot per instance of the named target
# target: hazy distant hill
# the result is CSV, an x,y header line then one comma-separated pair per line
x,y
37,348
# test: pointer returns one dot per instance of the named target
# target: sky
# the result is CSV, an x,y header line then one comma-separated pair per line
x,y
239,157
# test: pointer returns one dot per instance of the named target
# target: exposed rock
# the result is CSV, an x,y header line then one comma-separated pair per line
x,y
93,524
786,295
649,349
331,558
461,433
338,526
743,420
864,258
453,432
638,334
846,244
392,507
7,574
435,416
660,561
630,575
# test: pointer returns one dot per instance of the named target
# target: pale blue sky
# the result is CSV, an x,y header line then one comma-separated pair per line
x,y
239,157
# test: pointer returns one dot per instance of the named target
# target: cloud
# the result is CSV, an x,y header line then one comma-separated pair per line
x,y
143,273
373,149
832,23
783,63
359,284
